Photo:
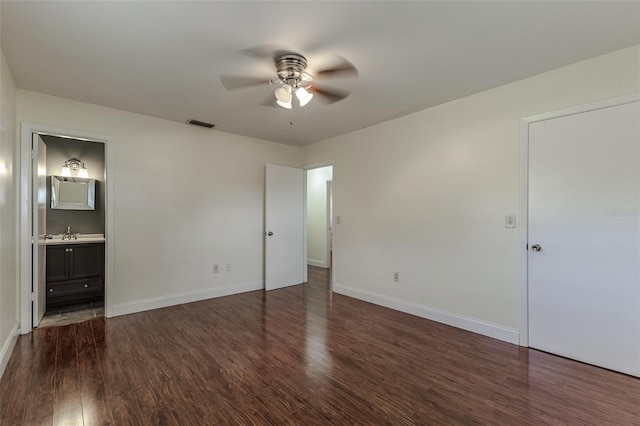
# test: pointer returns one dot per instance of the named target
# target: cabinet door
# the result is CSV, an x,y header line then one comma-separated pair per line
x,y
86,260
57,263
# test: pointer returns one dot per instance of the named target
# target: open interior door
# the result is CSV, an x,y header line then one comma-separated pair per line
x,y
284,232
39,229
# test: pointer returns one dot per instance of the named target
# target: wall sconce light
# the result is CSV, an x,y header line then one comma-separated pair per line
x,y
73,164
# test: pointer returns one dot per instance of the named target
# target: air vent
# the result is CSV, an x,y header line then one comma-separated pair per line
x,y
201,124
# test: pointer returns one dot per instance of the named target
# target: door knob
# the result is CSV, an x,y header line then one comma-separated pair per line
x,y
536,247
269,233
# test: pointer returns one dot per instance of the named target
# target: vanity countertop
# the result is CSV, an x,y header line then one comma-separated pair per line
x,y
82,239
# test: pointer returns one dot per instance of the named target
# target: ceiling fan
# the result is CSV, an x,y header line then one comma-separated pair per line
x,y
291,79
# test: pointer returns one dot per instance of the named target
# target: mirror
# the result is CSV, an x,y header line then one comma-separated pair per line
x,y
73,193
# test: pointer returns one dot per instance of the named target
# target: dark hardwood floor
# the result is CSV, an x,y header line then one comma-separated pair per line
x,y
297,356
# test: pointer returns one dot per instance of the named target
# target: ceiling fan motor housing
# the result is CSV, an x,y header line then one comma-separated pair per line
x,y
291,68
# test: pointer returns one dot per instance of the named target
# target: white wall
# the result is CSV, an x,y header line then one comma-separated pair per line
x,y
430,200
184,198
8,215
317,215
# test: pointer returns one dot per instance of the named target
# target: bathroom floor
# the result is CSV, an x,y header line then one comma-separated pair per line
x,y
73,313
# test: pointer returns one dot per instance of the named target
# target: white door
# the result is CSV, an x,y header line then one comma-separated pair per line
x,y
584,234
284,227
39,226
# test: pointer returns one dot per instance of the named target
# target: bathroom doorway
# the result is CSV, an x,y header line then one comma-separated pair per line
x,y
64,227
75,231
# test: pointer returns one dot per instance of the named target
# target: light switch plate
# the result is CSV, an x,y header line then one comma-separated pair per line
x,y
510,221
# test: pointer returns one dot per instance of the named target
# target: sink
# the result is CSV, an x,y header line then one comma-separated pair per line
x,y
82,239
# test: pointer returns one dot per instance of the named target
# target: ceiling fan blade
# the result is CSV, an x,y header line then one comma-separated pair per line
x,y
235,82
343,68
328,95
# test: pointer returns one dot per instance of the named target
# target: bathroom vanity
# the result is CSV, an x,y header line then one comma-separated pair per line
x,y
75,271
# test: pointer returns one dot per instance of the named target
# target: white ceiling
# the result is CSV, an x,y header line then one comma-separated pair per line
x,y
164,59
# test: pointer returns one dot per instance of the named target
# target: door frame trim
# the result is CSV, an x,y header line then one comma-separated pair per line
x,y
26,205
328,222
523,232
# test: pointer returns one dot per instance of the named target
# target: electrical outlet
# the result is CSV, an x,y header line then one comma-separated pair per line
x,y
228,267
338,220
396,277
216,268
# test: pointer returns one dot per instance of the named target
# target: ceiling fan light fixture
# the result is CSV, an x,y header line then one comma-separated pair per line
x,y
291,76
283,93
303,96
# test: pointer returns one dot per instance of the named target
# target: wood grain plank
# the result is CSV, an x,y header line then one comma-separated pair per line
x,y
39,409
88,361
67,401
13,385
126,410
96,409
45,347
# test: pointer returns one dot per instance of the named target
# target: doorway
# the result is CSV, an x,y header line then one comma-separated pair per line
x,y
319,214
68,227
74,266
582,229
298,202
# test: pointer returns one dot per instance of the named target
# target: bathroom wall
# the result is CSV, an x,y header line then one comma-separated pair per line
x,y
60,150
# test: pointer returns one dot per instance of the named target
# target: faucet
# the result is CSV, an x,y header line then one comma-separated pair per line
x,y
68,235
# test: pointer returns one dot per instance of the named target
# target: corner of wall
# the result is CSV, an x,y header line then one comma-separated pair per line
x,y
7,348
9,213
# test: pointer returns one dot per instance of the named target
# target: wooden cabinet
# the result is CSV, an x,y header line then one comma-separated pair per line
x,y
75,273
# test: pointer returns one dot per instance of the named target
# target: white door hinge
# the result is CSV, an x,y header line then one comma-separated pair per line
x,y
34,154
34,297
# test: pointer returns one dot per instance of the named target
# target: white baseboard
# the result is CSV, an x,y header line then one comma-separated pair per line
x,y
316,262
7,348
180,298
499,332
